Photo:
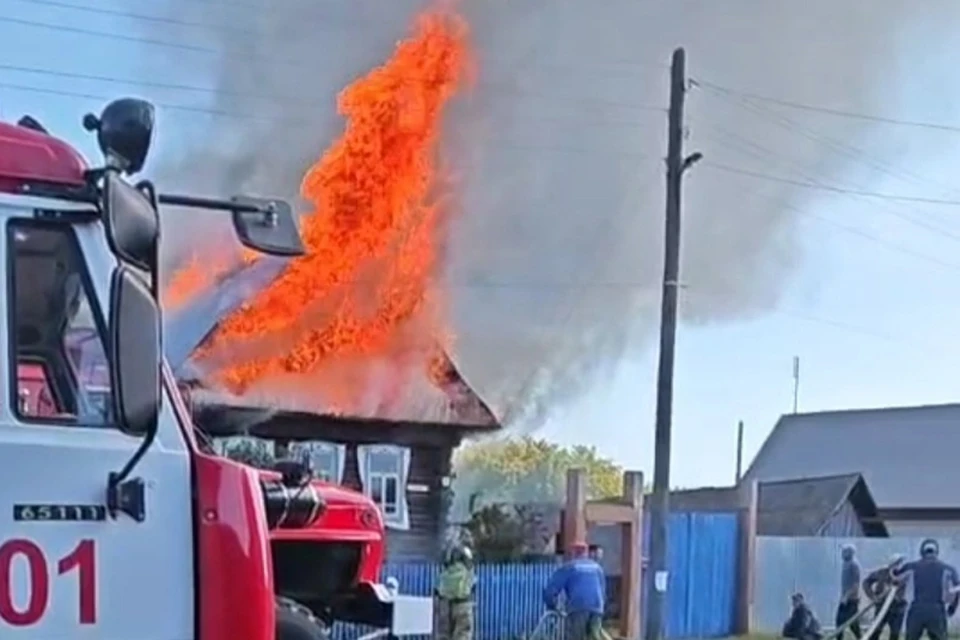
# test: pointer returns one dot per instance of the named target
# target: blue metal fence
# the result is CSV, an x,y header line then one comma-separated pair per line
x,y
701,592
509,596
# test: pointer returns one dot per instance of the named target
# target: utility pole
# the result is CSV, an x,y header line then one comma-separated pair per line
x,y
659,504
739,472
796,383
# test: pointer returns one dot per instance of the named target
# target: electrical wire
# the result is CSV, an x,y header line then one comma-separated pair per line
x,y
830,188
847,327
478,284
699,82
500,87
565,67
849,229
836,147
850,152
207,111
792,127
180,22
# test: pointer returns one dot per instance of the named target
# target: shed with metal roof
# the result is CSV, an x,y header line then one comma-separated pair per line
x,y
909,457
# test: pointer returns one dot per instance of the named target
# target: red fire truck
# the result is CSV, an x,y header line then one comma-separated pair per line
x,y
119,521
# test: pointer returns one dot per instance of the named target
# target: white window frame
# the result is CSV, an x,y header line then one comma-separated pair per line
x,y
223,445
398,517
307,449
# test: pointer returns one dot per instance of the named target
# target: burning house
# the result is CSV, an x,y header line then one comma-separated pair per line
x,y
394,443
341,355
402,463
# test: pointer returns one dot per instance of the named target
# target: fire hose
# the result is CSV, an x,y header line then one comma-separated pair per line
x,y
881,613
882,608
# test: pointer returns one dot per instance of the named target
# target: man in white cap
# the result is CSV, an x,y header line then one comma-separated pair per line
x,y
934,582
877,586
849,605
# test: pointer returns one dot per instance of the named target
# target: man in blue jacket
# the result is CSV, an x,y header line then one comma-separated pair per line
x,y
582,582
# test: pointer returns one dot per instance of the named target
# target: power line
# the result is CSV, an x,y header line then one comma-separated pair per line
x,y
851,328
564,67
766,155
827,110
117,36
835,146
104,11
857,329
162,105
830,188
223,92
176,86
553,148
845,149
851,229
305,119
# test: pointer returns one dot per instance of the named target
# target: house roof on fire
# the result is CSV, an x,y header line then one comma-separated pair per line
x,y
797,507
906,455
456,405
449,402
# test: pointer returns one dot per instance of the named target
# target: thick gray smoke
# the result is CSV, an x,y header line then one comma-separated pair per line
x,y
556,255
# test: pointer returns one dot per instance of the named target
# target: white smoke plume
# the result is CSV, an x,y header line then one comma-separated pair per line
x,y
555,256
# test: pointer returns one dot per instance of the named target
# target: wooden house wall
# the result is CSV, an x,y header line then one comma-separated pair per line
x,y
844,523
424,539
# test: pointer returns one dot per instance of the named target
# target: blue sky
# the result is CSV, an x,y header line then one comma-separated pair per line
x,y
871,310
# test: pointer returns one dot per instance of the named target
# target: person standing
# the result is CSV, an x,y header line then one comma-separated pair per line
x,y
582,582
934,584
877,586
454,595
849,605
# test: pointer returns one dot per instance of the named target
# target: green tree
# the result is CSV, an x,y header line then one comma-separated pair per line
x,y
527,470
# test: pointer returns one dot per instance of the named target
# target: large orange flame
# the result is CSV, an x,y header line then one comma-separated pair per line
x,y
367,282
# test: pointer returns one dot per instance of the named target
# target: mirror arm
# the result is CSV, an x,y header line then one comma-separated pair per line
x,y
128,496
213,203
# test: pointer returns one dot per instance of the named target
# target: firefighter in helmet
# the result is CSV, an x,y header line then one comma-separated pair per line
x,y
454,594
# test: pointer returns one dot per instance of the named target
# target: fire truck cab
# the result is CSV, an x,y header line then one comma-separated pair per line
x,y
117,521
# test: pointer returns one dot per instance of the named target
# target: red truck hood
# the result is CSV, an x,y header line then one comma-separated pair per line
x,y
349,515
350,518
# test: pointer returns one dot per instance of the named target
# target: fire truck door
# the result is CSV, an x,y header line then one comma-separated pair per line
x,y
68,568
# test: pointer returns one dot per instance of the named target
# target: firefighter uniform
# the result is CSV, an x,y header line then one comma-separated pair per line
x,y
454,596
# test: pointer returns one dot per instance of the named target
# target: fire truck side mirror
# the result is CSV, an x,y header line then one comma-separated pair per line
x,y
271,229
135,352
133,226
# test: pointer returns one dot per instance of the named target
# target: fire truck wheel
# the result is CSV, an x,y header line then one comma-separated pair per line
x,y
296,622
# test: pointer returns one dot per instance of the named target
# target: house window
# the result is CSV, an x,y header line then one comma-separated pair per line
x,y
383,491
248,450
383,472
325,458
